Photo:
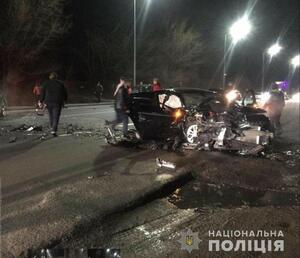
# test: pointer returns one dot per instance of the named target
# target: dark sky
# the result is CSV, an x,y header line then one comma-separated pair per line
x,y
272,20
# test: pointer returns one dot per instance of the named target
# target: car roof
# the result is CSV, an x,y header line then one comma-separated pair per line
x,y
180,91
192,90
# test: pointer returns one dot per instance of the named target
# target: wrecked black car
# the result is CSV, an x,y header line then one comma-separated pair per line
x,y
199,119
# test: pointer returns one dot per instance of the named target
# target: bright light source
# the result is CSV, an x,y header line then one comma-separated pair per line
x,y
264,97
296,98
232,95
274,50
295,61
240,29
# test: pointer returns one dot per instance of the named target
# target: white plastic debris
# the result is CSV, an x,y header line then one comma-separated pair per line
x,y
162,163
221,137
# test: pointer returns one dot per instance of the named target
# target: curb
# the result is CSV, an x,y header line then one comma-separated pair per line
x,y
19,110
26,108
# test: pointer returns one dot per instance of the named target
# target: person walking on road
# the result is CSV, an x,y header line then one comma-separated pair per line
x,y
274,107
54,95
121,107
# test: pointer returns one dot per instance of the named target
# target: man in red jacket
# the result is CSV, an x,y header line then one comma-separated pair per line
x,y
156,85
37,92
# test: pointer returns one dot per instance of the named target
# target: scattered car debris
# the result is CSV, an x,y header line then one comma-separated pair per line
x,y
289,153
166,164
291,163
12,139
69,129
22,127
35,128
65,134
82,132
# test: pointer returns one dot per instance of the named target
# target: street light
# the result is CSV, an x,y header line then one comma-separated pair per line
x,y
274,50
134,40
238,31
271,51
295,61
134,43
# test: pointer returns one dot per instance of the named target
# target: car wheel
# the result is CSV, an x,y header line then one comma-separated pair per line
x,y
191,133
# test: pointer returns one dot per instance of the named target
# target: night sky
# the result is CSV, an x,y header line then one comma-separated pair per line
x,y
272,20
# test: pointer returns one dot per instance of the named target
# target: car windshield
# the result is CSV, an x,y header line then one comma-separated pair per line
x,y
195,98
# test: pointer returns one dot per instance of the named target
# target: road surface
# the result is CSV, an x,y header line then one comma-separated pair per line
x,y
52,185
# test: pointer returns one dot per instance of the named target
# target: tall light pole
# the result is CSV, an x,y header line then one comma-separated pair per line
x,y
271,51
224,65
134,43
238,31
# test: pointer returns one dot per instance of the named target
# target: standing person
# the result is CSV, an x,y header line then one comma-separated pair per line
x,y
54,95
141,86
128,85
37,92
156,85
99,91
3,104
274,107
121,106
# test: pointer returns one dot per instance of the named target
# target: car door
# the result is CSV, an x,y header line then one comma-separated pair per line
x,y
143,114
152,113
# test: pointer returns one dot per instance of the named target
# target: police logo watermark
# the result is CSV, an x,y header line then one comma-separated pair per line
x,y
189,240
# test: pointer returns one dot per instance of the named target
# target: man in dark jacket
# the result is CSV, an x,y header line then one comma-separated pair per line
x,y
121,106
54,95
99,91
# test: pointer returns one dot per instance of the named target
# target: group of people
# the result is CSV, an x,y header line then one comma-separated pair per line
x,y
155,86
52,94
121,95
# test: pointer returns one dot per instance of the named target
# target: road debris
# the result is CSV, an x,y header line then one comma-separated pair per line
x,y
12,139
166,164
35,128
22,127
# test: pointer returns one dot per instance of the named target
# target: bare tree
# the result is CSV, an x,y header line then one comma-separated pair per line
x,y
29,28
176,57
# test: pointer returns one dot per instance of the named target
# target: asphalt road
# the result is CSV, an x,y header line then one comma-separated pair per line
x,y
32,169
32,165
83,115
25,162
